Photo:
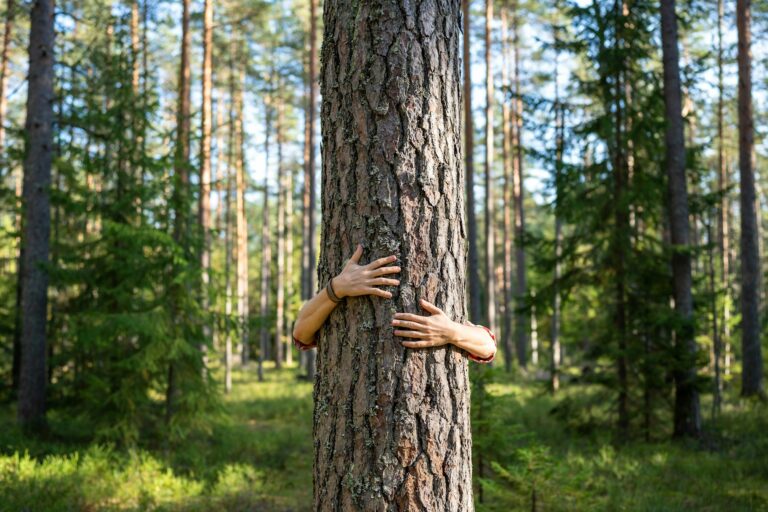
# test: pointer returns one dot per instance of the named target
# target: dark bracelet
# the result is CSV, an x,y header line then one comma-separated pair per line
x,y
331,294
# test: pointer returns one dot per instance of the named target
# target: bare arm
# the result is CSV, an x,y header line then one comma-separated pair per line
x,y
353,281
437,329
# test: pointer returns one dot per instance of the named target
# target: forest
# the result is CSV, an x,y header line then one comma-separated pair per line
x,y
582,177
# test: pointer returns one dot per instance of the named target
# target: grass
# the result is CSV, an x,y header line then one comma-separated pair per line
x,y
538,452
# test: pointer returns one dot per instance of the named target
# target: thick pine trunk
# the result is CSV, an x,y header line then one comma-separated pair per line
x,y
469,166
687,417
37,215
752,364
391,425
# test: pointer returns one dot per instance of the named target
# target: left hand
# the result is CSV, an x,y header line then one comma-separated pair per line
x,y
426,331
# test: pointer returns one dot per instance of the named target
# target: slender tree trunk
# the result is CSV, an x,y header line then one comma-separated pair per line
x,y
10,12
475,310
266,255
181,176
380,426
521,330
308,211
241,226
204,206
233,137
752,364
717,391
280,277
37,215
687,418
559,148
506,331
490,244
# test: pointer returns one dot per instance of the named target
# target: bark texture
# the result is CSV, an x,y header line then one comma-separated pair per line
x,y
687,417
752,366
391,426
37,215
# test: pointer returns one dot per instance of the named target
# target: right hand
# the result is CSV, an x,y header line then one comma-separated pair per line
x,y
356,279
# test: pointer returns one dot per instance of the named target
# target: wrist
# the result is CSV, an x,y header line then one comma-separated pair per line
x,y
338,286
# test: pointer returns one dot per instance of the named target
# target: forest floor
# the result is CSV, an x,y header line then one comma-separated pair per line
x,y
538,453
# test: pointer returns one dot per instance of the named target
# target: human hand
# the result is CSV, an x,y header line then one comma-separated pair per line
x,y
355,279
430,331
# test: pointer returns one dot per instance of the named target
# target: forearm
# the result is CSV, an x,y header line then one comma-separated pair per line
x,y
474,339
312,316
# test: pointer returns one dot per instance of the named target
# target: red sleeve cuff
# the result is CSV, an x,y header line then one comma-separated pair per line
x,y
489,358
303,346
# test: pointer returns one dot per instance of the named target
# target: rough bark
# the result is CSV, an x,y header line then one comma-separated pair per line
x,y
391,426
687,416
469,166
752,362
37,216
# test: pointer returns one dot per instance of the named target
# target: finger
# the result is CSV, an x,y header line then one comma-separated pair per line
x,y
428,306
358,253
384,270
418,344
411,334
404,324
411,317
381,261
381,281
379,292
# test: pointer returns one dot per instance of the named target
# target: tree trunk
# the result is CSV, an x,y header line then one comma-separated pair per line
x,y
687,417
752,365
469,165
181,175
241,224
10,12
391,425
280,277
506,331
554,356
490,245
37,216
521,331
233,137
204,206
266,256
289,290
308,200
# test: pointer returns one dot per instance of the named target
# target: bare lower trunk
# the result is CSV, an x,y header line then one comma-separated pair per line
x,y
752,365
37,216
204,206
266,255
383,440
241,227
280,277
490,245
687,418
507,290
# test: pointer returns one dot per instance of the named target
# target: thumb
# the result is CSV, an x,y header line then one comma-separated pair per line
x,y
357,255
428,306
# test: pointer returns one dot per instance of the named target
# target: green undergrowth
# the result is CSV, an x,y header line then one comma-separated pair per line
x,y
538,453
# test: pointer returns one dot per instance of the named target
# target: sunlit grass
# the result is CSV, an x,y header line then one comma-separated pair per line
x,y
559,452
